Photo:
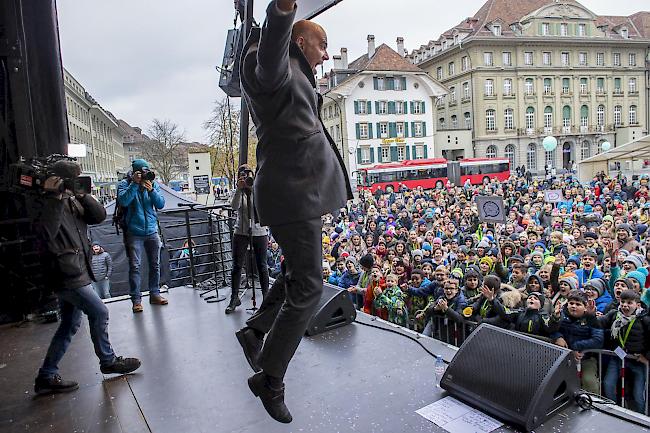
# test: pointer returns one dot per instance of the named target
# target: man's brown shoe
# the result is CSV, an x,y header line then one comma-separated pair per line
x,y
137,308
158,300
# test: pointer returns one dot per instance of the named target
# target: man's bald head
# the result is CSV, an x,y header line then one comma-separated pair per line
x,y
312,40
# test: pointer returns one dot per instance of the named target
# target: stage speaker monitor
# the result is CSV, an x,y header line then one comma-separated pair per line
x,y
335,309
514,377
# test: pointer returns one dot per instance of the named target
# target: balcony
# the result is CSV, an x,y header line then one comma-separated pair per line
x,y
530,131
584,129
584,93
618,92
489,96
566,92
465,99
530,95
566,130
636,123
633,93
548,130
509,95
453,102
599,128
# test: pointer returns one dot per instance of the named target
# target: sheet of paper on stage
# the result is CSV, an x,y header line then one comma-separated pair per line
x,y
456,417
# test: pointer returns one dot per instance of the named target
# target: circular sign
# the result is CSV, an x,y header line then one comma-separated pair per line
x,y
491,209
553,195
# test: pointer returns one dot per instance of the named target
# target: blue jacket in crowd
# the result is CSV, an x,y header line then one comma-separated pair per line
x,y
580,334
141,218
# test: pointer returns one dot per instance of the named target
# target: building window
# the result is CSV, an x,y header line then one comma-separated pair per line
x,y
441,123
546,29
617,86
464,63
466,94
566,118
632,114
489,87
600,85
419,151
549,158
632,85
624,33
490,120
380,83
510,154
584,116
454,122
582,29
600,59
508,119
585,150
452,68
401,153
528,58
507,58
548,86
566,85
491,151
564,29
584,88
487,59
600,115
417,107
616,59
632,59
468,120
507,87
399,129
452,94
565,58
385,154
617,115
362,107
397,83
548,117
531,157
418,129
365,155
399,107
439,72
546,58
529,87
338,132
382,107
582,58
530,119
496,29
383,130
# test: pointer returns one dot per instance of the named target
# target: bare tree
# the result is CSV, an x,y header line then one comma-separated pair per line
x,y
166,151
223,133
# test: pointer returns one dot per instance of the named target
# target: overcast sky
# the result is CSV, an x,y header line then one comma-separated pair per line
x,y
146,59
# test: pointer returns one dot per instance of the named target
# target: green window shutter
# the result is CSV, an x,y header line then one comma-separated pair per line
x,y
393,153
369,108
424,129
392,130
391,83
403,83
370,130
426,151
405,106
358,131
358,155
377,107
411,103
617,83
406,129
374,79
372,155
378,130
356,107
423,107
413,128
565,82
378,152
391,107
408,152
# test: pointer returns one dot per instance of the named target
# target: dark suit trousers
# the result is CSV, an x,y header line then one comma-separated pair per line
x,y
291,301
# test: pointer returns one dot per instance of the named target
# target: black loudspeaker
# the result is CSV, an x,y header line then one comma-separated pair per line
x,y
335,309
513,377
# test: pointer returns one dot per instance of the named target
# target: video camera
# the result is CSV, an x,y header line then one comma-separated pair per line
x,y
31,175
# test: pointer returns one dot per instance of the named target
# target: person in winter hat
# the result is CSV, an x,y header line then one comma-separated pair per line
x,y
596,291
638,278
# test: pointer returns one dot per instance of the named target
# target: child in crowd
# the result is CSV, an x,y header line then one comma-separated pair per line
x,y
533,319
358,290
435,312
392,300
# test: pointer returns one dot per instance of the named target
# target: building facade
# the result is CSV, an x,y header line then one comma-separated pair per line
x,y
98,129
378,108
520,71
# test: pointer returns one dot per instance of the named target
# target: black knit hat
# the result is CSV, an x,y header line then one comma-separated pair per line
x,y
367,261
540,296
66,169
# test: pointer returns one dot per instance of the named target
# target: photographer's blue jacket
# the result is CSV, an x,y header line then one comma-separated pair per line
x,y
141,206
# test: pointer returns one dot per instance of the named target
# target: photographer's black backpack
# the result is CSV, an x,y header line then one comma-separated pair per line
x,y
119,217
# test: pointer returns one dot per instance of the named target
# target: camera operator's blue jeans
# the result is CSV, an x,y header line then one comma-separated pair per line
x,y
72,303
134,246
633,369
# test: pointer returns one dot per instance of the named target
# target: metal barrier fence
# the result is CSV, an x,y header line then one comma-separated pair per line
x,y
207,231
455,333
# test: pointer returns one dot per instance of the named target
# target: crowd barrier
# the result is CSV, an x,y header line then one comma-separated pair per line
x,y
455,333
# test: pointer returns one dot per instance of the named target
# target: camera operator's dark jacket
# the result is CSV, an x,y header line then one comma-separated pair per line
x,y
62,225
300,173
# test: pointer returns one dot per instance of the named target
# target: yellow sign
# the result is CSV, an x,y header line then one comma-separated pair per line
x,y
392,140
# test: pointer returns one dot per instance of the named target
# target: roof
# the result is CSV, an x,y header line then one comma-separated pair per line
x,y
641,21
507,10
638,149
387,59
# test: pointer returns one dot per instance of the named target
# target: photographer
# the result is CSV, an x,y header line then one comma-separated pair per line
x,y
62,225
140,195
240,240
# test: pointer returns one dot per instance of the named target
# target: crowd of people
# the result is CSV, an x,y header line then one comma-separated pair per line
x,y
573,272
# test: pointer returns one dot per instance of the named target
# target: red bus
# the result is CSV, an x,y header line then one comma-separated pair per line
x,y
432,173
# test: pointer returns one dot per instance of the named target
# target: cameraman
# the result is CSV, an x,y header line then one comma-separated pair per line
x,y
62,224
239,203
141,199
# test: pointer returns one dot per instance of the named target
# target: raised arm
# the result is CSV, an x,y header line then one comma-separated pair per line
x,y
273,51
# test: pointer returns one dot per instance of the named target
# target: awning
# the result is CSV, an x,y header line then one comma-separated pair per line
x,y
634,150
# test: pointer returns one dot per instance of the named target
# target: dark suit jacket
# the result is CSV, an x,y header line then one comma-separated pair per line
x,y
300,173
